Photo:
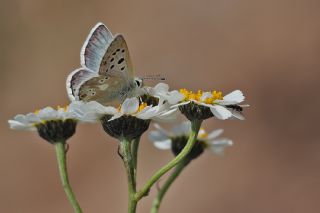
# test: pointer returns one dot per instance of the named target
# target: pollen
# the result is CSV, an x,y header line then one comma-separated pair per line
x,y
142,106
217,95
65,108
202,134
36,112
190,95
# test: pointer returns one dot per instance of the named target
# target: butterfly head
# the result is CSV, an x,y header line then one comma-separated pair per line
x,y
138,82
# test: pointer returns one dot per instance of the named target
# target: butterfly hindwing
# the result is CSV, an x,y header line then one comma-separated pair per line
x,y
76,79
103,89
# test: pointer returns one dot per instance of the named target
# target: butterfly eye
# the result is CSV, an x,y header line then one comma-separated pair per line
x,y
138,82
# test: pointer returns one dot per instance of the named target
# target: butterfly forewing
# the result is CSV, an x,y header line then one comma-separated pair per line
x,y
117,59
95,47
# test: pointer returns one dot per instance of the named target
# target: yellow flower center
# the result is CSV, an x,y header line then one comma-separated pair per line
x,y
142,106
202,134
190,95
36,111
65,108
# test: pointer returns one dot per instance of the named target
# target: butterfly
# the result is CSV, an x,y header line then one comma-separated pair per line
x,y
106,74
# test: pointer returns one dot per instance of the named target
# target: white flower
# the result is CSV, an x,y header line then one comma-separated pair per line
x,y
222,107
163,139
30,120
94,111
161,91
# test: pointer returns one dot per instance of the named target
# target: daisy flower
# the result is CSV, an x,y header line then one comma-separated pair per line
x,y
161,91
53,125
202,105
178,137
130,119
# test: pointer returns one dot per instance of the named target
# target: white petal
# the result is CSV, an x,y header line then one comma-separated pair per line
x,y
220,112
164,145
89,116
218,146
157,136
205,95
214,134
147,113
182,129
116,116
48,113
234,97
180,104
175,97
160,129
21,126
20,118
130,106
168,116
161,87
32,118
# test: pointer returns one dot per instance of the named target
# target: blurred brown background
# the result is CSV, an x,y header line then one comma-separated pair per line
x,y
268,49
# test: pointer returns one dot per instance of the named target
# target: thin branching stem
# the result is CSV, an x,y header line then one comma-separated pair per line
x,y
162,191
195,126
61,158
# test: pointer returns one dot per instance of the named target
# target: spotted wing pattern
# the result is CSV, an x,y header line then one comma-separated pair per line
x,y
75,79
107,74
117,58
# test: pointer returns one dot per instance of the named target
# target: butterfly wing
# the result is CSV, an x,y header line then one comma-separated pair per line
x,y
106,90
107,74
117,59
95,47
75,79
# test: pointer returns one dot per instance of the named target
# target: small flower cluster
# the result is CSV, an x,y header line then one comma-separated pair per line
x,y
126,111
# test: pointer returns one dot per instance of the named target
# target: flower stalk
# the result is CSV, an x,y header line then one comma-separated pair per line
x,y
134,151
61,158
195,126
162,191
129,164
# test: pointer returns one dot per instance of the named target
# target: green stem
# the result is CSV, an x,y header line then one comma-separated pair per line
x,y
125,148
134,151
61,158
157,201
195,126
